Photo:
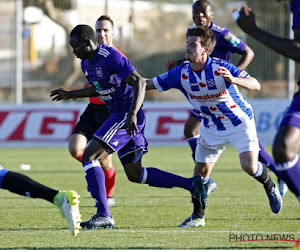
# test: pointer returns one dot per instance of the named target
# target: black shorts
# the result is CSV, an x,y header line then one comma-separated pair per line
x,y
91,119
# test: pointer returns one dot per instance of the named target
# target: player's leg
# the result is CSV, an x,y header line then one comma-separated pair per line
x,y
285,150
265,158
66,201
258,171
191,132
286,146
110,176
92,118
205,161
77,145
95,178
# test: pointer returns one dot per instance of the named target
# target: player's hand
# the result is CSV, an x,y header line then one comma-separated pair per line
x,y
60,94
131,125
246,19
225,73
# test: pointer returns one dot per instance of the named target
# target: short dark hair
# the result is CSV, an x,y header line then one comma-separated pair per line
x,y
84,32
106,18
200,2
208,38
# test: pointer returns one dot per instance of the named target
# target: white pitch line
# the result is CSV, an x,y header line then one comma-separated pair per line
x,y
193,231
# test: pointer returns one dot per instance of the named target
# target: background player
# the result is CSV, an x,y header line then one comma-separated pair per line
x,y
94,115
287,140
210,85
66,201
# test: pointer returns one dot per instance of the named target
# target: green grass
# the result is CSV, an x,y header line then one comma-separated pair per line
x,y
146,217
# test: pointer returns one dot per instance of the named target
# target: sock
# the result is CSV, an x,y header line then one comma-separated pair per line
x,y
96,184
25,186
290,173
78,157
193,144
265,158
198,210
110,176
157,178
263,176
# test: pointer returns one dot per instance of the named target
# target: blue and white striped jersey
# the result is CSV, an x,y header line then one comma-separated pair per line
x,y
221,103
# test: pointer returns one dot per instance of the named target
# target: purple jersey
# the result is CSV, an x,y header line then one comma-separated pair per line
x,y
106,72
292,114
295,9
227,42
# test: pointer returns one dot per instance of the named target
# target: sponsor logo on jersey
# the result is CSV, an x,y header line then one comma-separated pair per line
x,y
208,96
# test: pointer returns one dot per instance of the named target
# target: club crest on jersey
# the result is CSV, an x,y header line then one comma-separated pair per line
x,y
99,72
211,83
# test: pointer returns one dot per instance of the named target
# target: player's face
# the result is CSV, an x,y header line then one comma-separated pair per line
x,y
104,32
81,49
194,51
202,14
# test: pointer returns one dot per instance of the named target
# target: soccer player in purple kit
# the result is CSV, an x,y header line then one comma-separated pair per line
x,y
286,144
210,85
123,89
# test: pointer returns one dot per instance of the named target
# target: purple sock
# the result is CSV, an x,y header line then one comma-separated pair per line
x,y
265,158
96,185
157,178
290,173
193,144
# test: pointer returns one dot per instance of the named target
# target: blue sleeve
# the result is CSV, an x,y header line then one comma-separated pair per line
x,y
235,71
168,80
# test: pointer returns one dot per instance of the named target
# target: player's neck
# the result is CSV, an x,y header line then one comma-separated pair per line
x,y
198,66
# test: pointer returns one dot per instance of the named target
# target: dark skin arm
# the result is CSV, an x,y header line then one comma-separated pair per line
x,y
284,46
63,94
247,56
139,90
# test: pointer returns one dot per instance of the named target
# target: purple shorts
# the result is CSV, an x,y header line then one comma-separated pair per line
x,y
291,116
114,135
196,114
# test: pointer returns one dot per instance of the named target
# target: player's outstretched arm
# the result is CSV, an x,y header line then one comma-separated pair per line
x,y
284,46
150,84
63,94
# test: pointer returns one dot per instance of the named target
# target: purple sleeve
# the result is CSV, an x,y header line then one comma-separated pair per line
x,y
120,64
233,42
295,9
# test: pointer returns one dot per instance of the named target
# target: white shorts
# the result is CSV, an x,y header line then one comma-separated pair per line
x,y
210,146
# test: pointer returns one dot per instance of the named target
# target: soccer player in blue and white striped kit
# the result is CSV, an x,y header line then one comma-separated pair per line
x,y
211,86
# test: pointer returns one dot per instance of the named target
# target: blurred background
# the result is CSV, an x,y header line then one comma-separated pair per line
x,y
35,56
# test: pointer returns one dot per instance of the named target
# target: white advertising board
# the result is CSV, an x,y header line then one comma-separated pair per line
x,y
50,125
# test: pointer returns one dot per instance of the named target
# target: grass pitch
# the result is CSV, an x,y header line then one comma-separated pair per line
x,y
146,217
